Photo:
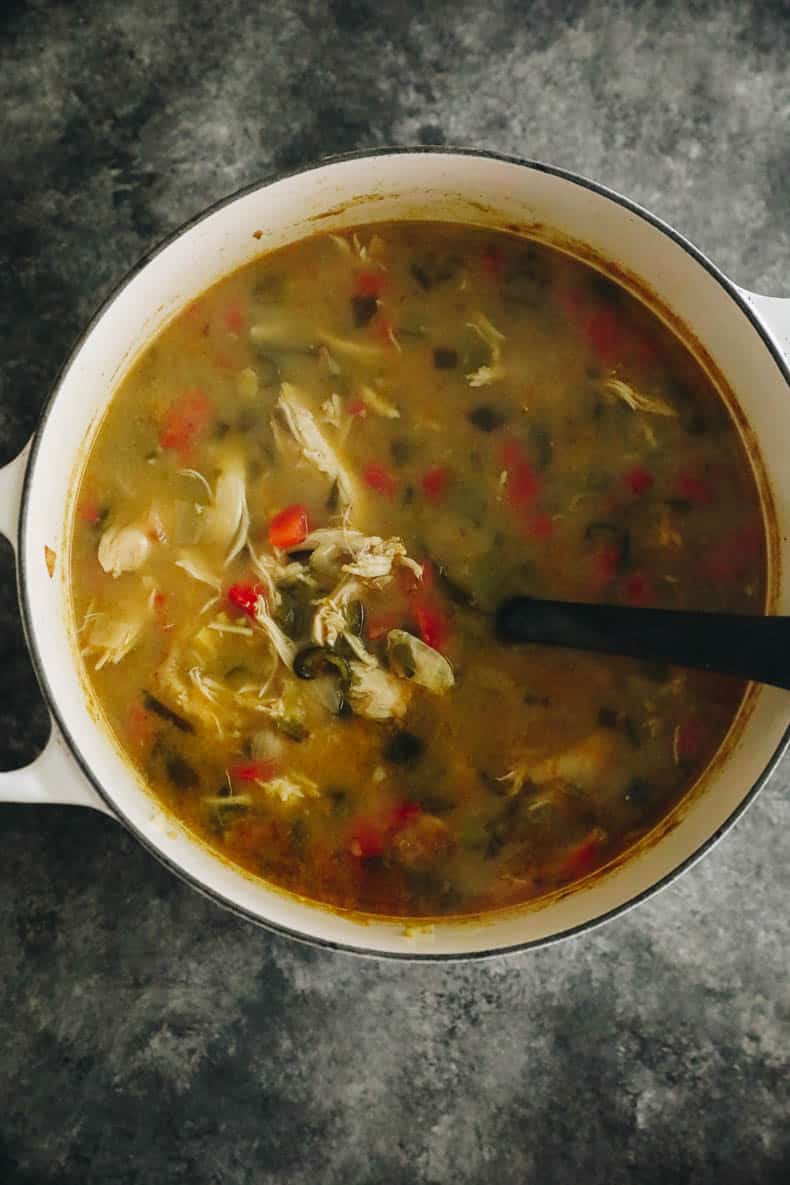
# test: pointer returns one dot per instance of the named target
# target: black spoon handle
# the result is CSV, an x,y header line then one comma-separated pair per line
x,y
730,643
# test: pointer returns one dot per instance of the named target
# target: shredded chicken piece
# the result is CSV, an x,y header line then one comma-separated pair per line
x,y
222,627
233,802
377,558
111,638
649,434
378,404
342,244
668,536
273,572
485,375
376,693
583,763
228,519
651,404
329,621
198,477
195,565
247,383
210,689
285,648
191,694
123,549
332,410
289,790
331,363
371,558
315,449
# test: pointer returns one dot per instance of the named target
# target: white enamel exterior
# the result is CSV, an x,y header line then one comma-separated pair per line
x,y
433,185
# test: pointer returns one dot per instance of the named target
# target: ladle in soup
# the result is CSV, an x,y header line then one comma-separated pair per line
x,y
745,645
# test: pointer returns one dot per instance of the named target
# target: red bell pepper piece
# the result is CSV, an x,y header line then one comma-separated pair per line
x,y
380,479
637,589
492,262
522,482
603,334
367,839
435,482
690,740
432,624
368,284
540,526
139,725
736,555
384,329
638,479
693,489
401,815
370,836
185,421
254,771
581,859
234,317
605,564
245,597
88,509
290,527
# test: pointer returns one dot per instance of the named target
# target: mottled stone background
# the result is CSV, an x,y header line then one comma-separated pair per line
x,y
146,1038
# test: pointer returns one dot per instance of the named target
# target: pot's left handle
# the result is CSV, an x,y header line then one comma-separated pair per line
x,y
54,775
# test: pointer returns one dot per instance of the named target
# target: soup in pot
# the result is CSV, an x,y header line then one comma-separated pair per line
x,y
305,502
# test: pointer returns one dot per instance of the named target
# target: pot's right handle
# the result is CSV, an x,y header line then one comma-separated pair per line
x,y
54,775
774,311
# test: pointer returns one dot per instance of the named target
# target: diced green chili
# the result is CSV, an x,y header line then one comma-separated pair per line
x,y
401,450
267,370
526,278
640,793
363,310
355,617
291,728
486,418
152,704
444,358
180,772
270,289
540,446
404,748
319,660
631,731
333,499
433,270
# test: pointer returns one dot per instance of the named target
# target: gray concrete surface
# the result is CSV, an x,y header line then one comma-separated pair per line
x,y
146,1038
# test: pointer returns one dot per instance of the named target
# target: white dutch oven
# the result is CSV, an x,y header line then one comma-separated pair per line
x,y
746,336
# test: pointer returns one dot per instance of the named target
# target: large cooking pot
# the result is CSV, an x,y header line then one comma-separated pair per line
x,y
746,339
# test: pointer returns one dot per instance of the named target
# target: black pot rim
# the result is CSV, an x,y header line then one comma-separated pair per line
x,y
39,665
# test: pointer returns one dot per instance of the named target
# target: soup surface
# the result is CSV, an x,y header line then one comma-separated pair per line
x,y
305,501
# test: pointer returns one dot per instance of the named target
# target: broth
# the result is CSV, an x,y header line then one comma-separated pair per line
x,y
300,511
